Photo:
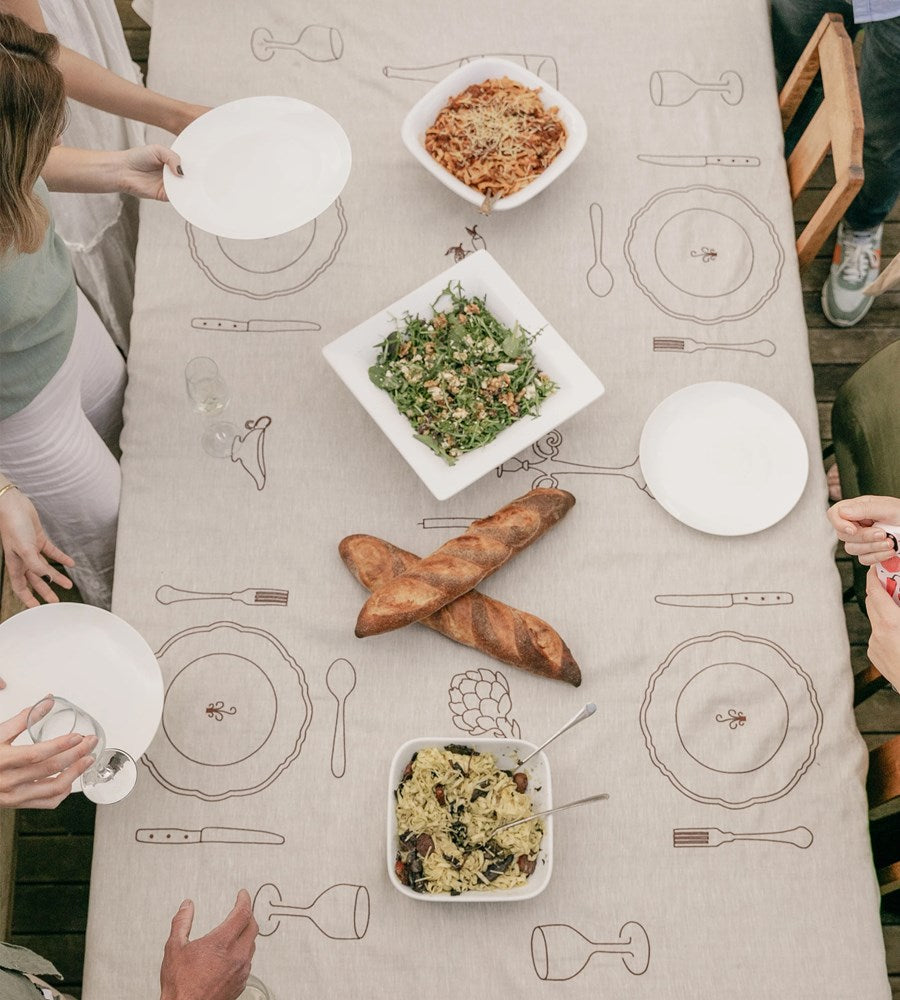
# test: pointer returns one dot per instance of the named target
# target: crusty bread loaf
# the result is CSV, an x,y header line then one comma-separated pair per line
x,y
463,562
509,635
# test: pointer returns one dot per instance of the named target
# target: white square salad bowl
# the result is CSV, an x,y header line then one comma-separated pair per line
x,y
479,274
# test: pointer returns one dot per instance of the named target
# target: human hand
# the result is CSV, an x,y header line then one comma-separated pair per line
x,y
214,967
140,170
853,519
25,544
884,617
40,775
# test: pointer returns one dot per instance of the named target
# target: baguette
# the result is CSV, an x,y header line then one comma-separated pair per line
x,y
507,634
462,563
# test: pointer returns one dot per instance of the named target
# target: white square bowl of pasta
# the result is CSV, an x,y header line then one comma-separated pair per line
x,y
446,798
495,132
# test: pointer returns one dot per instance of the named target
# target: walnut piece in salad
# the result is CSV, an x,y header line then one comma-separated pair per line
x,y
461,376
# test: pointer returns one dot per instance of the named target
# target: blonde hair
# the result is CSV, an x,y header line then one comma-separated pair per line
x,y
32,115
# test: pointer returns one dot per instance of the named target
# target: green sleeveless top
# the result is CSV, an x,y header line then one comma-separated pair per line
x,y
37,317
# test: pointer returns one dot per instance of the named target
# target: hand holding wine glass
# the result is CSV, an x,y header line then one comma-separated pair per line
x,y
40,776
112,772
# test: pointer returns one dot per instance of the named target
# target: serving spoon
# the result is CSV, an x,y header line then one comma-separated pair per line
x,y
546,812
585,713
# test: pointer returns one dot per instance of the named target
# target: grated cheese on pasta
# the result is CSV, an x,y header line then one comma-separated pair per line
x,y
496,137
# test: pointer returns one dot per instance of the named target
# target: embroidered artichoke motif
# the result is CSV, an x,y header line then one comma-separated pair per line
x,y
480,703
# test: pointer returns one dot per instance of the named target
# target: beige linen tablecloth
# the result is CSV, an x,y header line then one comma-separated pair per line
x,y
249,724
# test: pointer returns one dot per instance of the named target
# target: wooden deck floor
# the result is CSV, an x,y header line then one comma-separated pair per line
x,y
49,896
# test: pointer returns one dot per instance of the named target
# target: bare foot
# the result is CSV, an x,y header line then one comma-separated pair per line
x,y
834,484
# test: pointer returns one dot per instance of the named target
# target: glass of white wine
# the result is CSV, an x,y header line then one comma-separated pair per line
x,y
206,388
113,773
256,989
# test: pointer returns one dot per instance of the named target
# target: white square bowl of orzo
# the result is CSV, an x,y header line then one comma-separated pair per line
x,y
446,798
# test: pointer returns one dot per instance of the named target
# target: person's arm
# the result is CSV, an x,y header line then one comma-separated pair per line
x,y
884,642
133,171
214,967
853,521
93,84
26,549
40,776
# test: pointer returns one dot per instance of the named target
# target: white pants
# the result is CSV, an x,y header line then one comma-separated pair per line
x,y
61,451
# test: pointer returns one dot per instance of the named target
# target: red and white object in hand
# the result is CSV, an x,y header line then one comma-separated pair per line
x,y
888,571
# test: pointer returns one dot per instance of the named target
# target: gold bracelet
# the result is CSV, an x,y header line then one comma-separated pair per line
x,y
9,486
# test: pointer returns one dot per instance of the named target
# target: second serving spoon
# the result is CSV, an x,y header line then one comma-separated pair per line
x,y
585,713
546,812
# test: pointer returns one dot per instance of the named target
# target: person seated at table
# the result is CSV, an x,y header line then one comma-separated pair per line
x,y
100,232
857,251
90,83
853,520
213,967
61,378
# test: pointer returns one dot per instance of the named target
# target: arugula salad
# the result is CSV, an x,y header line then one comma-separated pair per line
x,y
461,376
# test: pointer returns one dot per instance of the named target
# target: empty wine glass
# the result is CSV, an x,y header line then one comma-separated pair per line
x,y
207,389
218,439
256,989
113,773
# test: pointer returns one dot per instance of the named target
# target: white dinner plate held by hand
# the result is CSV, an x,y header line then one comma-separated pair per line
x,y
724,458
258,167
90,657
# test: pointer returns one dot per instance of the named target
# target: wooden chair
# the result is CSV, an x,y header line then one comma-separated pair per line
x,y
883,787
837,125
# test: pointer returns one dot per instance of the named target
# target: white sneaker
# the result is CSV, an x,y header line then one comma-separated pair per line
x,y
855,264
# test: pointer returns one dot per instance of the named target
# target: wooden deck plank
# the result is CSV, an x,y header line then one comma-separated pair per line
x,y
53,859
67,903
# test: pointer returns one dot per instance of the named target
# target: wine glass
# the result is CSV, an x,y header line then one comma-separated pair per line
x,y
205,386
340,912
218,439
256,989
560,952
670,87
113,773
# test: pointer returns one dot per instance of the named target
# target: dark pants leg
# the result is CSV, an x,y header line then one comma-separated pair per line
x,y
793,22
879,87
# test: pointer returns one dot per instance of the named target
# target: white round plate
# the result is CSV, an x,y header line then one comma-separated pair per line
x,y
724,458
93,658
258,167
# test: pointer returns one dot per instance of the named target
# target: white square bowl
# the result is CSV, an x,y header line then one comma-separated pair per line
x,y
423,114
479,274
508,754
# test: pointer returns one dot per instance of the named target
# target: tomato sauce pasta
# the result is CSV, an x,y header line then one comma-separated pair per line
x,y
496,137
